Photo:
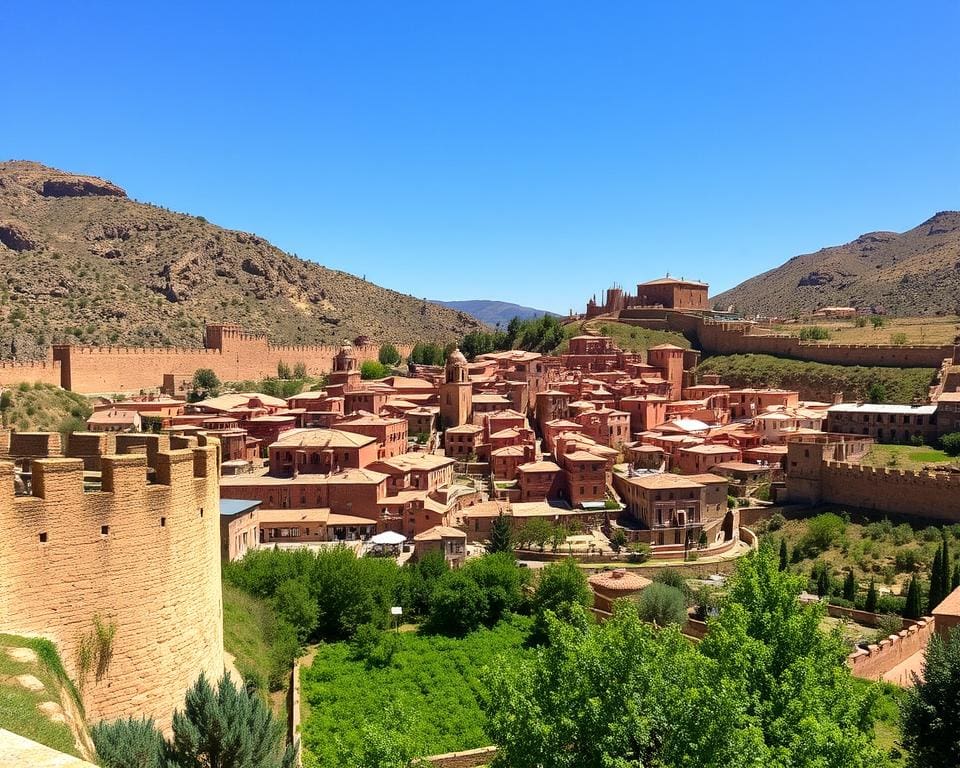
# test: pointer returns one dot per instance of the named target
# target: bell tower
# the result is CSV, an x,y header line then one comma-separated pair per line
x,y
456,392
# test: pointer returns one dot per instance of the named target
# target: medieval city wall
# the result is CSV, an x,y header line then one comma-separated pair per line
x,y
928,495
878,659
233,356
142,559
45,371
732,338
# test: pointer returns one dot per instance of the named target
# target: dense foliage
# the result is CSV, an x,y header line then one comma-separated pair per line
x,y
561,592
426,700
218,727
373,369
931,709
388,354
662,605
819,381
767,687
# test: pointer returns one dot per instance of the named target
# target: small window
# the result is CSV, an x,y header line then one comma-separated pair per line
x,y
43,538
104,530
163,522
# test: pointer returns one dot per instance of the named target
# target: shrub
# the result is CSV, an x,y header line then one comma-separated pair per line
x,y
388,355
908,560
283,371
300,370
639,552
951,444
814,333
823,531
776,522
898,339
371,369
124,743
662,604
673,578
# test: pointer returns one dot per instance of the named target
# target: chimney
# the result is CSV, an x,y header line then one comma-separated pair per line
x,y
837,398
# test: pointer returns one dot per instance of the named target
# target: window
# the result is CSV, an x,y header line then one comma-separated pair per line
x,y
43,538
104,530
163,522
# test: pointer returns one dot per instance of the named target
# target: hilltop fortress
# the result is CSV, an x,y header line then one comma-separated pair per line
x,y
120,570
231,353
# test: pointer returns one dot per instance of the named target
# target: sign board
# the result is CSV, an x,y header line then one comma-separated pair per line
x,y
396,611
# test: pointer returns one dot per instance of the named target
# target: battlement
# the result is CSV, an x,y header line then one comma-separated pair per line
x,y
140,551
946,481
876,660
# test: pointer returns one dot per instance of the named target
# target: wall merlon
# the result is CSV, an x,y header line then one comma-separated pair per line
x,y
58,478
123,474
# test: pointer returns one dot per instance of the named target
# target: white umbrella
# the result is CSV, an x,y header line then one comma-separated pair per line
x,y
388,537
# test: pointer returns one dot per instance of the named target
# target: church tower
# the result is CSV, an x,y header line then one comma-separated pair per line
x,y
456,393
346,369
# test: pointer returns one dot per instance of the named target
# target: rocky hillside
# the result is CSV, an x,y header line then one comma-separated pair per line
x,y
913,273
81,262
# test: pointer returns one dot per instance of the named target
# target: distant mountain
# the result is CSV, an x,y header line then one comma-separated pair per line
x,y
911,273
493,312
80,261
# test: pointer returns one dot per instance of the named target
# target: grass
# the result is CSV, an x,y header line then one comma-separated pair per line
x,y
45,408
918,330
818,381
630,338
904,456
437,680
19,711
247,623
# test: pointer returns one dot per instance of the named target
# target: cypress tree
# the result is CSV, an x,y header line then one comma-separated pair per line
x,y
931,707
501,538
783,554
955,582
913,607
870,605
850,587
945,569
936,581
823,583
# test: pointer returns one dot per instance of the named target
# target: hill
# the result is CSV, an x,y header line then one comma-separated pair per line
x,y
912,273
494,312
44,408
80,261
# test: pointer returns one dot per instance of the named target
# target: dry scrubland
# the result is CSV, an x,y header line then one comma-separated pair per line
x,y
903,330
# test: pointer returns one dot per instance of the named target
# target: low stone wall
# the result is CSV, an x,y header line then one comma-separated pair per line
x,y
879,658
293,704
861,617
468,758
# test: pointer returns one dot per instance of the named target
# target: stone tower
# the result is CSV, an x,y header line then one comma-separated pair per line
x,y
346,369
456,392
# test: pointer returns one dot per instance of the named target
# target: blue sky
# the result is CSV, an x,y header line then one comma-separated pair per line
x,y
526,151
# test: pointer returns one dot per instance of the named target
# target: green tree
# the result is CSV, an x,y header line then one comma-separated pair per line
x,y
228,728
935,594
951,444
300,370
784,555
823,582
662,605
870,604
931,709
458,605
388,355
371,369
955,581
850,587
877,393
205,380
946,574
560,588
283,371
914,606
501,539
535,531
128,743
6,401
618,540
295,603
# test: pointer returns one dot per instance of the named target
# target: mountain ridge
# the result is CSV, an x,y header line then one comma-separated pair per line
x,y
82,262
916,272
492,312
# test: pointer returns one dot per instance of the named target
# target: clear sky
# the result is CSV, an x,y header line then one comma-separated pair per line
x,y
526,151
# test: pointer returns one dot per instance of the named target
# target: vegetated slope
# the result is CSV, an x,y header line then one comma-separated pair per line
x,y
913,273
82,262
631,338
817,381
45,408
495,312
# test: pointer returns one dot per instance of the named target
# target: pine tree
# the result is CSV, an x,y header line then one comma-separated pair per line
x,y
914,606
226,727
783,554
850,587
934,596
870,605
501,538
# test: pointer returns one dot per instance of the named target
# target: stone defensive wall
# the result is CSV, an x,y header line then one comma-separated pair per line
x,y
45,371
230,352
878,659
122,575
734,337
927,495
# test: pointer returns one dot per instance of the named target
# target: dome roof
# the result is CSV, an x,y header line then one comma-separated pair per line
x,y
456,358
619,580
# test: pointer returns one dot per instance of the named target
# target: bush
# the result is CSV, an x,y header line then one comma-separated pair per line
x,y
673,578
458,606
814,333
662,604
388,355
951,444
898,339
907,560
125,743
823,531
371,369
776,522
639,552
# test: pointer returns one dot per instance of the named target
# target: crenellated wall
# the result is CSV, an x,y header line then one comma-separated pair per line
x,y
231,353
877,660
142,557
45,371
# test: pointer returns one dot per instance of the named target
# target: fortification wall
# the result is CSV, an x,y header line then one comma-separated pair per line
x,y
880,658
142,558
241,357
735,337
45,371
928,495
